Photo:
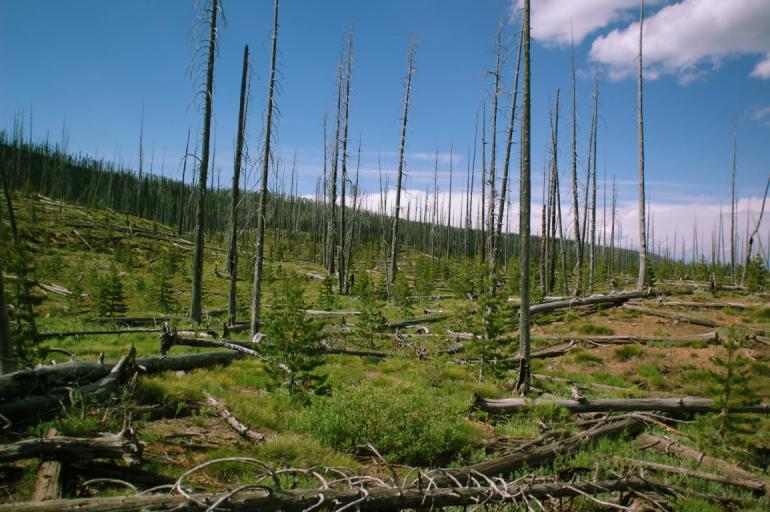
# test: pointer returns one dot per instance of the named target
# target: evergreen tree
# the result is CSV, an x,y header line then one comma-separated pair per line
x,y
110,298
756,275
371,319
730,387
293,339
491,325
402,295
327,299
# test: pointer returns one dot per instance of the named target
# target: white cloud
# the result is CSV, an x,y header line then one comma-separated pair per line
x,y
685,37
762,114
556,21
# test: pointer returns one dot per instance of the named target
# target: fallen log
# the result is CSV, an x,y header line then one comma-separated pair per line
x,y
45,378
709,337
661,444
238,426
371,499
754,485
120,446
706,305
582,385
611,299
48,484
415,321
319,313
539,455
685,404
171,338
694,320
32,408
100,332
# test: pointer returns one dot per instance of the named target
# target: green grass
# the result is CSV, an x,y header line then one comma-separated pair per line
x,y
628,352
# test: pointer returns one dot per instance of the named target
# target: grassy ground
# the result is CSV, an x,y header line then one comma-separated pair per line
x,y
415,410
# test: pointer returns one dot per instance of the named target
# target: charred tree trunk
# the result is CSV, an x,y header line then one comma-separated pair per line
x,y
524,366
200,211
232,255
399,178
261,212
344,182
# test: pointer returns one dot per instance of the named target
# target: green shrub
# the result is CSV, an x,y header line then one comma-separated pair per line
x,y
590,328
406,423
628,352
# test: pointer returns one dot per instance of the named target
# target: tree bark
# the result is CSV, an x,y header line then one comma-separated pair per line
x,y
674,405
525,188
200,212
400,174
120,446
676,470
235,423
661,444
232,253
640,117
344,182
261,213
48,484
375,499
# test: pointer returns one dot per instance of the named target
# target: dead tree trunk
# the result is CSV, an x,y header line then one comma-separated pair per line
x,y
399,178
493,155
575,203
343,271
231,420
48,484
261,212
182,187
640,115
732,210
669,447
232,254
507,160
592,254
525,189
7,363
750,239
200,211
673,405
121,446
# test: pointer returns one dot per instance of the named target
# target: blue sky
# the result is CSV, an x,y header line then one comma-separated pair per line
x,y
97,64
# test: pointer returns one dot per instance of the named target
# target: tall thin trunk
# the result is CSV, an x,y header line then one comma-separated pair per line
x,y
260,249
394,233
332,237
640,113
344,184
7,362
611,261
493,152
232,255
200,213
483,241
449,206
750,237
183,188
575,203
524,346
732,211
507,161
325,199
592,255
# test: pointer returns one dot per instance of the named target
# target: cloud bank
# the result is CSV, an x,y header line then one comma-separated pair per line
x,y
686,38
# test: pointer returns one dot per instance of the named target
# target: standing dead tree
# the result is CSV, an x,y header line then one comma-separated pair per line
x,y
640,116
200,211
400,175
260,250
499,57
507,160
232,254
750,238
343,271
575,202
592,254
732,212
331,237
524,220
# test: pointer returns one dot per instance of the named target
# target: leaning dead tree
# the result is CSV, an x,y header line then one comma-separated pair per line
x,y
400,175
524,220
200,211
750,238
261,212
232,253
640,118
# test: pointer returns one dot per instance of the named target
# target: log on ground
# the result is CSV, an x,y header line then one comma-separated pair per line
x,y
119,446
684,404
